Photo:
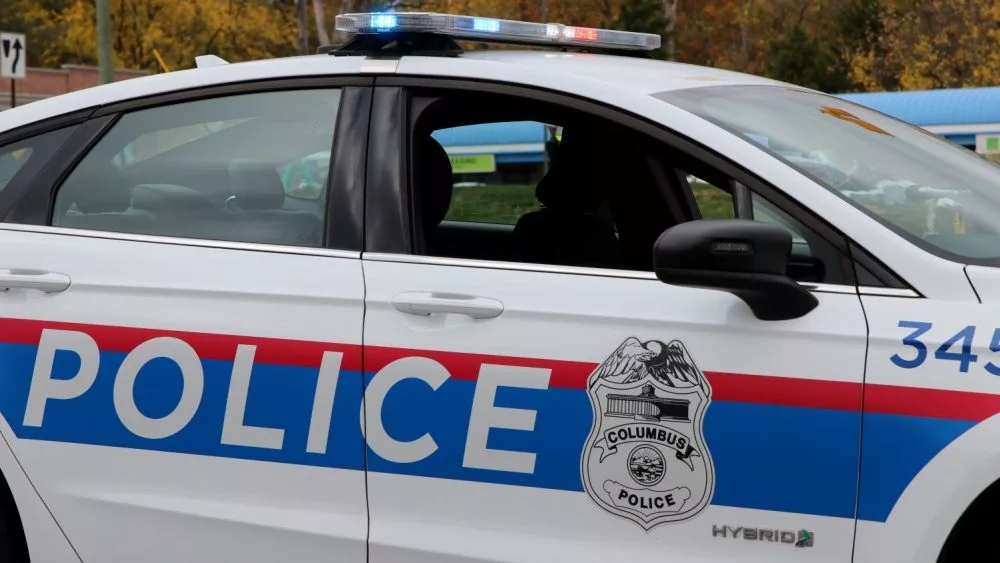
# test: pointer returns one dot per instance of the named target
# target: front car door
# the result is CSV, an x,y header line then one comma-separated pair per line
x,y
928,211
181,320
589,413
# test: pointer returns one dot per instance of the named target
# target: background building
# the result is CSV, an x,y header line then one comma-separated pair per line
x,y
45,82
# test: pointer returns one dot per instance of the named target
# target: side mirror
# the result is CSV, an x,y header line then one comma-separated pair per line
x,y
746,258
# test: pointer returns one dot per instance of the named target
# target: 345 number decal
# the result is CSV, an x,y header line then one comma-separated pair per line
x,y
957,348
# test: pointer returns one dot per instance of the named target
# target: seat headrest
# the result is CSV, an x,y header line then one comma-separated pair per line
x,y
97,191
579,174
434,179
168,197
255,186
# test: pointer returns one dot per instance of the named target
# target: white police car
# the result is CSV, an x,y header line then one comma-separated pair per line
x,y
203,360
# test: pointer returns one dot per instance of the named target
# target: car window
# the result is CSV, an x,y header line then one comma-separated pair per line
x,y
14,157
942,197
580,192
246,168
713,201
11,161
495,167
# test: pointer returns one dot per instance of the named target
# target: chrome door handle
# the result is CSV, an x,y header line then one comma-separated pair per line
x,y
39,280
426,303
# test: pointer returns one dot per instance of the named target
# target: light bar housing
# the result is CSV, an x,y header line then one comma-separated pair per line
x,y
494,30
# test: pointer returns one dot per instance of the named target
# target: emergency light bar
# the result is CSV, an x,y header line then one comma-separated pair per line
x,y
493,30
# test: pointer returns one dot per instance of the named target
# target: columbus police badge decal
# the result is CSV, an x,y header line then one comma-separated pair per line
x,y
645,458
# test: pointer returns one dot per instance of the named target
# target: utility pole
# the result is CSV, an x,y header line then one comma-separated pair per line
x,y
105,58
545,11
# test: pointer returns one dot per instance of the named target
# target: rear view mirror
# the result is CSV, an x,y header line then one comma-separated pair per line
x,y
746,258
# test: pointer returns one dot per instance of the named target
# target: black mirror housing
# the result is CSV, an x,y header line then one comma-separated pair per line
x,y
746,258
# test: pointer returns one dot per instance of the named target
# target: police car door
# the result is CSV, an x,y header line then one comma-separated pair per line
x,y
521,411
180,349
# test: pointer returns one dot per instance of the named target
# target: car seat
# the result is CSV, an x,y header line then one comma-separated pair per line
x,y
434,184
569,229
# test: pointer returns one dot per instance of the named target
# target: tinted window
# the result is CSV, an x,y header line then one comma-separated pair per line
x,y
11,162
580,192
14,157
247,168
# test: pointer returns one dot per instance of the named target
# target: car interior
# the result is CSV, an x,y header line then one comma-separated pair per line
x,y
604,200
225,185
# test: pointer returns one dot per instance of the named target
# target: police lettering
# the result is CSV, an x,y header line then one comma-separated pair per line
x,y
647,501
485,415
633,432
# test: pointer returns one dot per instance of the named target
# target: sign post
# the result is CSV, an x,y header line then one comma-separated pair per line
x,y
13,60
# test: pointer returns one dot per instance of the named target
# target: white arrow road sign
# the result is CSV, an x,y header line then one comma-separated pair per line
x,y
13,55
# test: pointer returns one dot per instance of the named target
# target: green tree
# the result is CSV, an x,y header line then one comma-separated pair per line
x,y
798,58
644,16
859,27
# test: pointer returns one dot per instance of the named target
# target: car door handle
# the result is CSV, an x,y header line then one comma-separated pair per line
x,y
426,303
40,280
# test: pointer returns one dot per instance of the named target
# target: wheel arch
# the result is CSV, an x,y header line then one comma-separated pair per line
x,y
14,541
976,521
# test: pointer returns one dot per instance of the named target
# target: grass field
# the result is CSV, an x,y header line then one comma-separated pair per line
x,y
505,204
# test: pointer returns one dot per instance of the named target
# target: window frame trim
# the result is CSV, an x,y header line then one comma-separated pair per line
x,y
35,204
411,84
814,287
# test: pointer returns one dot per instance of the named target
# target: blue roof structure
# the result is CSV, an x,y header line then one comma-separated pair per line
x,y
956,106
509,133
957,114
515,142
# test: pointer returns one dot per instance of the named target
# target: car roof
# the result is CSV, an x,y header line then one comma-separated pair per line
x,y
629,74
634,74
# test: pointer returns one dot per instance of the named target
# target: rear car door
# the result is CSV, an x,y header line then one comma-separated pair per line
x,y
182,309
548,395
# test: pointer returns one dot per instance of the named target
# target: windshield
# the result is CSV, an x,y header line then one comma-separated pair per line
x,y
939,195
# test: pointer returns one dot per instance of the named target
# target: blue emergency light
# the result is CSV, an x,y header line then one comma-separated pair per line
x,y
493,30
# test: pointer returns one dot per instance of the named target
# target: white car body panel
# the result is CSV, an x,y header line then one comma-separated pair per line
x,y
133,503
416,521
931,422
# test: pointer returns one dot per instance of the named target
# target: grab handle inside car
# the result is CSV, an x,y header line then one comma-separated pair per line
x,y
746,258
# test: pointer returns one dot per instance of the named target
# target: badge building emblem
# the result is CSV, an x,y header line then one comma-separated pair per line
x,y
646,458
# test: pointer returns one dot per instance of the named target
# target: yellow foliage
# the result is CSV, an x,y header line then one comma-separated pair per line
x,y
179,30
933,44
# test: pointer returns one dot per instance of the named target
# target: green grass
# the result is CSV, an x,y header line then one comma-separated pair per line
x,y
713,202
498,204
504,204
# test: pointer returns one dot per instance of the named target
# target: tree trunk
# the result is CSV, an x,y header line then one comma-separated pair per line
x,y
319,11
670,10
303,20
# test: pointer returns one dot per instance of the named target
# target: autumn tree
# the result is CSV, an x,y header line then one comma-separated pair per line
x,y
645,16
799,58
924,44
178,30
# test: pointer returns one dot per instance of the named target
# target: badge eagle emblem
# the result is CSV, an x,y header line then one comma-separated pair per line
x,y
646,458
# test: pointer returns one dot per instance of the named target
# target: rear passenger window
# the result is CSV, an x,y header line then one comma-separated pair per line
x,y
15,156
247,168
11,161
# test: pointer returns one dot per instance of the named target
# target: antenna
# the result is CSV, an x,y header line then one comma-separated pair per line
x,y
205,61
